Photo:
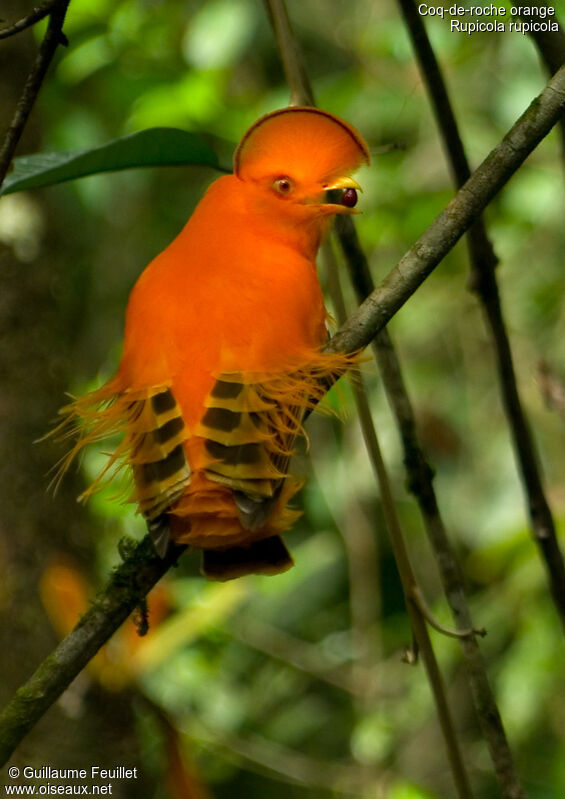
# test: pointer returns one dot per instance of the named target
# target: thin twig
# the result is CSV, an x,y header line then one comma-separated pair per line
x,y
483,282
420,483
302,93
54,37
291,54
413,597
34,16
359,534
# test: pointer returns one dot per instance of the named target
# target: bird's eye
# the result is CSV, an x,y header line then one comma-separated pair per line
x,y
283,185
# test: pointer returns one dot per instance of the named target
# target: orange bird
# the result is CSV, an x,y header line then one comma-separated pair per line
x,y
222,353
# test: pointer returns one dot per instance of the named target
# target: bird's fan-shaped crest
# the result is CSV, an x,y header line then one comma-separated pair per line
x,y
300,142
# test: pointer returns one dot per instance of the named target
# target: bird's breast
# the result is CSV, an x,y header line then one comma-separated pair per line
x,y
232,303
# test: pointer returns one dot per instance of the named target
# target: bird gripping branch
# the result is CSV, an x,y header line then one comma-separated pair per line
x,y
222,351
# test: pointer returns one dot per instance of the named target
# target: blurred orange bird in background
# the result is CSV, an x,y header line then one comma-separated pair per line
x,y
222,352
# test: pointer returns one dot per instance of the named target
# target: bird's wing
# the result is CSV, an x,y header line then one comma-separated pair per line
x,y
156,452
153,431
249,432
250,426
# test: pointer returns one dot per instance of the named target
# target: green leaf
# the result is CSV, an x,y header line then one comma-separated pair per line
x,y
152,147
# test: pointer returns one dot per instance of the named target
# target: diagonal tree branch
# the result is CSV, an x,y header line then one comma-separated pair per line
x,y
458,215
141,571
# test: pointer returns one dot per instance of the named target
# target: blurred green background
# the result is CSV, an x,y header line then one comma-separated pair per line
x,y
290,686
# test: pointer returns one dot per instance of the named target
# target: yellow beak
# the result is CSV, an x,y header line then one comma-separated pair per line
x,y
343,183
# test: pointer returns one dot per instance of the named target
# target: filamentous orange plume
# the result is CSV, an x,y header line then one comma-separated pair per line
x,y
222,352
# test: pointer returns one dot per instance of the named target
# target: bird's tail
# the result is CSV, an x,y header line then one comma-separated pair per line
x,y
267,556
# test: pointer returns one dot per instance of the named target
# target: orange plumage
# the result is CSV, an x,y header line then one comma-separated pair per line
x,y
222,351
